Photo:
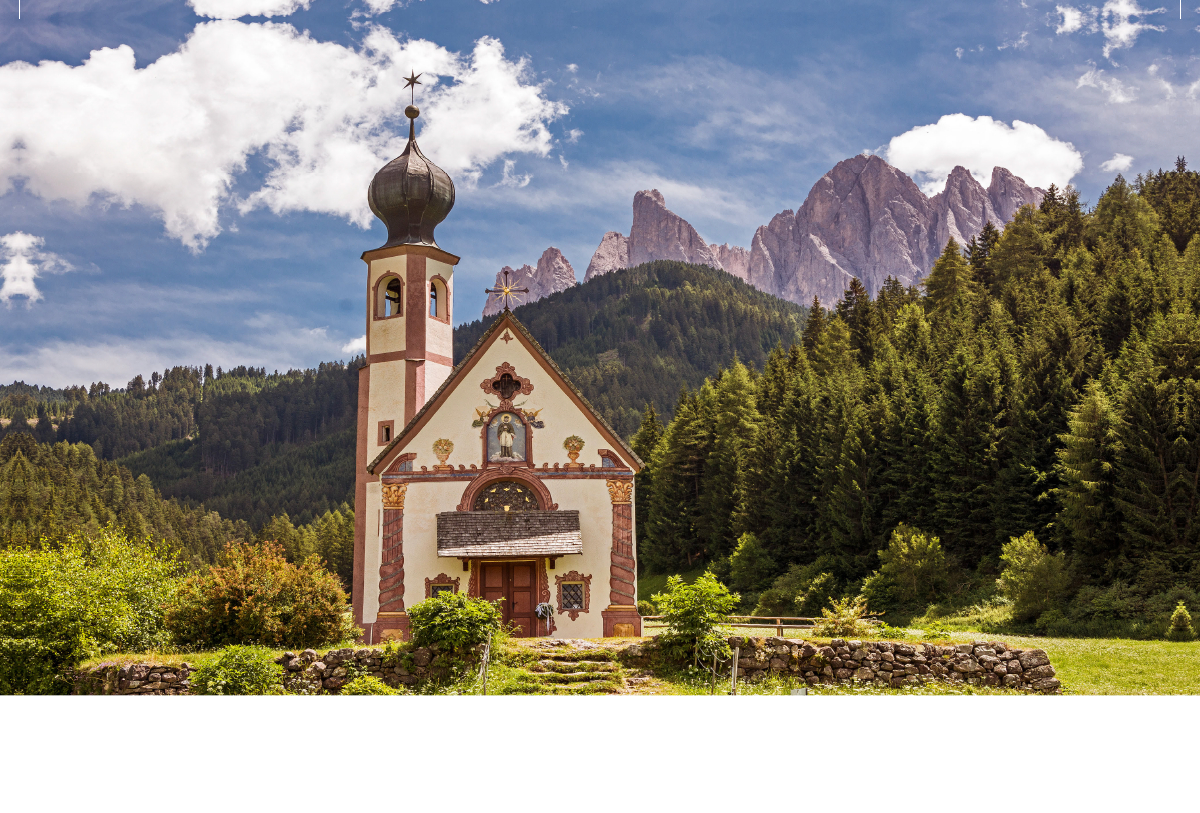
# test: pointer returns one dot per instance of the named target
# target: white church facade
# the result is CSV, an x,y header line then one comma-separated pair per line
x,y
494,476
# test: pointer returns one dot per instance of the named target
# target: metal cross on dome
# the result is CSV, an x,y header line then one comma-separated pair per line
x,y
506,292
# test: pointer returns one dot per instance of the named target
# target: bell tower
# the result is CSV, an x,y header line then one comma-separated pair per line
x,y
409,303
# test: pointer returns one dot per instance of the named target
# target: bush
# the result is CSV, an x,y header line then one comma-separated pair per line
x,y
750,567
95,594
694,614
1033,579
255,596
913,570
1180,627
801,591
240,670
456,621
368,685
646,608
846,618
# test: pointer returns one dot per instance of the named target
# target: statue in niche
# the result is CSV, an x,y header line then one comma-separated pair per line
x,y
506,439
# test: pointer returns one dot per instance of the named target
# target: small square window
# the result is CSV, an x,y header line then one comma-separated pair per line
x,y
572,596
440,588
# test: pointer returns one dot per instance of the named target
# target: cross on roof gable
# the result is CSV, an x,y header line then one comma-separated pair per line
x,y
506,325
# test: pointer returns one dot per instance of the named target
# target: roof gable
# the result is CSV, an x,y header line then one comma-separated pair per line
x,y
461,373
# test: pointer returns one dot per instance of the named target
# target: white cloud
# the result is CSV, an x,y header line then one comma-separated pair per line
x,y
356,346
573,136
510,178
175,135
1118,163
1121,22
380,6
1017,44
24,262
1116,90
233,9
958,52
1073,19
930,152
1120,29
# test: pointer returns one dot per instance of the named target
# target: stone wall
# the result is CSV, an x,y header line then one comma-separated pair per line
x,y
306,672
134,678
889,663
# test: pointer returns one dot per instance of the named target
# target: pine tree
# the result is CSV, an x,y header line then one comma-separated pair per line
x,y
644,443
814,328
950,287
1089,519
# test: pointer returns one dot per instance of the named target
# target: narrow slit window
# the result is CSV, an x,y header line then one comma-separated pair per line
x,y
387,434
433,303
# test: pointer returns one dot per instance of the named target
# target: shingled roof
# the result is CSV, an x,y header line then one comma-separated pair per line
x,y
505,319
472,534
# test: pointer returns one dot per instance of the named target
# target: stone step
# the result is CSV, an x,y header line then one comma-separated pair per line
x,y
574,666
570,677
575,656
589,687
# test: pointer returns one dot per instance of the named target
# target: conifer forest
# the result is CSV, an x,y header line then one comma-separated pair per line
x,y
1042,383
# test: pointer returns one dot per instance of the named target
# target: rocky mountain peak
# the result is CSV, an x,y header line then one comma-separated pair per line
x,y
660,234
552,274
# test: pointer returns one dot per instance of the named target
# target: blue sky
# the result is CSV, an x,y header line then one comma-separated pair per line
x,y
185,183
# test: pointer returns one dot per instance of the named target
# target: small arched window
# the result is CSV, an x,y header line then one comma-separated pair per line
x,y
391,298
439,299
433,299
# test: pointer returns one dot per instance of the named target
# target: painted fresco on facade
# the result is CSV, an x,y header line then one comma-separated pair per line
x,y
506,439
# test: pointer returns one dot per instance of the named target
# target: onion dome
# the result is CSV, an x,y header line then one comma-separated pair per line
x,y
411,195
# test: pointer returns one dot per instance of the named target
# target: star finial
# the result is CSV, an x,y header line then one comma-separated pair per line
x,y
507,292
410,83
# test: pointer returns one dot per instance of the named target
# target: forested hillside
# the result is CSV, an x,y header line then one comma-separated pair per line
x,y
1046,380
637,336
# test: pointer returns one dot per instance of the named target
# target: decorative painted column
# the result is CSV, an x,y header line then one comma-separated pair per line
x,y
392,621
621,619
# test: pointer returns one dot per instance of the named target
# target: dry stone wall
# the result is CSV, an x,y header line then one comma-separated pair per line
x,y
889,663
306,672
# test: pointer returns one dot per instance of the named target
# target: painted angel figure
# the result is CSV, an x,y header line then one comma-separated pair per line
x,y
505,435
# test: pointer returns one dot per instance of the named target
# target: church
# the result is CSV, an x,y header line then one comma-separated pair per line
x,y
492,476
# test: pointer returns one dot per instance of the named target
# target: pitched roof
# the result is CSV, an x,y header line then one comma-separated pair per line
x,y
499,533
505,319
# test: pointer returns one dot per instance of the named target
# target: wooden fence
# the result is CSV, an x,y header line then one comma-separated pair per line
x,y
779,622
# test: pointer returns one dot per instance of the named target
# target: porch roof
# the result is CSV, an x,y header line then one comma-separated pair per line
x,y
482,534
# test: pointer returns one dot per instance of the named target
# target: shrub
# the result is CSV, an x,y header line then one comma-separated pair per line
x,y
368,685
846,618
801,591
646,608
750,567
694,614
239,670
255,596
456,621
913,569
95,594
1180,627
1033,579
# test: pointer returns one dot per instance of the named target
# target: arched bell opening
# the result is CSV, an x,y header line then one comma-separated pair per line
x,y
389,300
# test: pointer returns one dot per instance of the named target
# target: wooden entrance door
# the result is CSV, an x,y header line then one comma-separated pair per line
x,y
516,583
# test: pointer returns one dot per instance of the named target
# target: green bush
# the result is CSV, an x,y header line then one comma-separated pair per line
x,y
802,591
694,614
750,567
95,594
455,621
1180,627
845,618
1033,579
255,596
646,608
368,685
913,570
239,670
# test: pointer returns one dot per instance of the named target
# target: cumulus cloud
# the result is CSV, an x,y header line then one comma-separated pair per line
x,y
1117,91
23,262
355,346
175,135
930,152
1118,163
233,9
1121,22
